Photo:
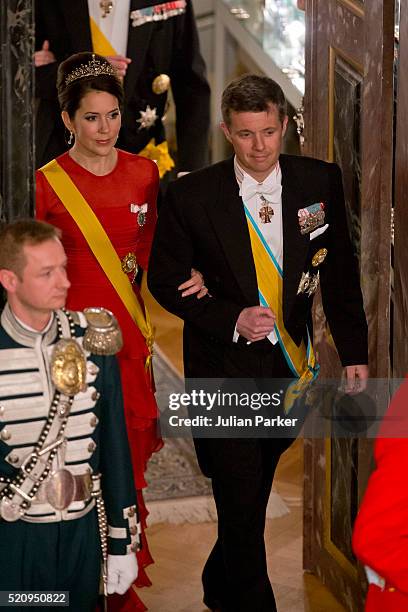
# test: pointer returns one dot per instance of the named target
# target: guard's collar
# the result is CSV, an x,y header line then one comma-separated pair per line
x,y
22,334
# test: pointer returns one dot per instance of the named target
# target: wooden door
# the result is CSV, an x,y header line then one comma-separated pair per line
x,y
348,119
400,242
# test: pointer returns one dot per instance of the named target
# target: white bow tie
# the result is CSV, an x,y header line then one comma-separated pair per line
x,y
271,192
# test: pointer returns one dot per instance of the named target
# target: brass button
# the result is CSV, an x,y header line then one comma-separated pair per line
x,y
94,421
131,512
2,409
13,458
5,434
91,447
392,589
134,547
133,530
95,396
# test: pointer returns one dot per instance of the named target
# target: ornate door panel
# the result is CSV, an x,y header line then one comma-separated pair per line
x,y
16,109
400,255
348,119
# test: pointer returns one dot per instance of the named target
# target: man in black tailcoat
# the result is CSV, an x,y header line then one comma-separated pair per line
x,y
264,229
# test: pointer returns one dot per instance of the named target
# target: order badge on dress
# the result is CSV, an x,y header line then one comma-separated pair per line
x,y
141,211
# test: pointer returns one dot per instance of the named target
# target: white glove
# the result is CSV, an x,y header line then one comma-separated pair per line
x,y
122,571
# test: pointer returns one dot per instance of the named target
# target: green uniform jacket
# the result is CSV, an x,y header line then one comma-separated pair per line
x,y
96,439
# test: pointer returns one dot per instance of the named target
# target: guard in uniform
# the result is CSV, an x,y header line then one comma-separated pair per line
x,y
67,498
154,45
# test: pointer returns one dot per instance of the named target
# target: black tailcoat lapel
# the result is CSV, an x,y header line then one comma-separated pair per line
x,y
295,245
227,216
76,18
137,46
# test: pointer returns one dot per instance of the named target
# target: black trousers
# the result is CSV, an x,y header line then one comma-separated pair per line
x,y
235,577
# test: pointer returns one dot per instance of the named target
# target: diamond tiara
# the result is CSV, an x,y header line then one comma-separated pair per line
x,y
93,68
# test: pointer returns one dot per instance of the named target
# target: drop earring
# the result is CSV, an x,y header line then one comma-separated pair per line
x,y
71,138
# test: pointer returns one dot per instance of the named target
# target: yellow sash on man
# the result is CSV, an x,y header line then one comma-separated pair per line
x,y
100,44
100,245
300,359
158,153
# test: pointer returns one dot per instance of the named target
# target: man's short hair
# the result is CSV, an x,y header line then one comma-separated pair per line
x,y
14,236
252,93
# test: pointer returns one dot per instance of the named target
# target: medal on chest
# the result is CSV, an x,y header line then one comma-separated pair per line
x,y
140,211
148,118
266,211
106,6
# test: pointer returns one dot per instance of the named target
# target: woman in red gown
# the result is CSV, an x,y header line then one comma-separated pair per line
x,y
121,189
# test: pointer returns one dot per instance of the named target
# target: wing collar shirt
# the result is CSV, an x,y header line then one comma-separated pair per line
x,y
271,190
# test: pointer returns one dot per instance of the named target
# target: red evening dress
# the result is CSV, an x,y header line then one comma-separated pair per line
x,y
115,199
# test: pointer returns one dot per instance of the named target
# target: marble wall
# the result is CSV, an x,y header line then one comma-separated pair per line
x,y
16,108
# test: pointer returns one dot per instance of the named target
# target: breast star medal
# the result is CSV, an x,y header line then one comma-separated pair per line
x,y
308,283
313,285
304,282
148,118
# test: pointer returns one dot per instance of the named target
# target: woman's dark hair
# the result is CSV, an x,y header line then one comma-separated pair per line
x,y
71,93
252,93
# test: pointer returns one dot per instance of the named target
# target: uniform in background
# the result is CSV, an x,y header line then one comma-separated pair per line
x,y
162,40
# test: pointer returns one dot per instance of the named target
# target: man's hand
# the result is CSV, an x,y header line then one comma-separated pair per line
x,y
195,284
120,62
45,56
122,572
255,323
356,378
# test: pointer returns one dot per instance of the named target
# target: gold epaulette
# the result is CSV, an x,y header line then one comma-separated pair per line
x,y
103,335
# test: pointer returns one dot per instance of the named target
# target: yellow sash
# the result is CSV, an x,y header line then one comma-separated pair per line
x,y
100,245
100,44
300,359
